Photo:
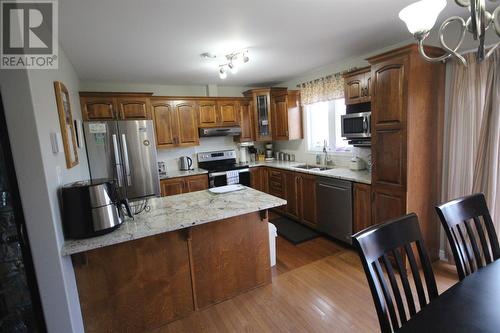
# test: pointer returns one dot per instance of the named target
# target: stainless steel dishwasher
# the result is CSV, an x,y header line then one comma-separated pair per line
x,y
334,208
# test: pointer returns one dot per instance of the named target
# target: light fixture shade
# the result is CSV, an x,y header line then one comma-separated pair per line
x,y
421,16
233,67
222,73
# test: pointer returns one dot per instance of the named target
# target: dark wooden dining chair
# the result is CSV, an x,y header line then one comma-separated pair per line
x,y
465,220
377,247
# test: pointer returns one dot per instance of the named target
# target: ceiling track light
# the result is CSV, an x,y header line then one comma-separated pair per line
x,y
234,61
420,17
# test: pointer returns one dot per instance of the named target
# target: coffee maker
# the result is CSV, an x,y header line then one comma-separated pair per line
x,y
244,152
92,208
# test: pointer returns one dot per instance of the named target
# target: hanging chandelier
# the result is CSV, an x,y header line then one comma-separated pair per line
x,y
420,17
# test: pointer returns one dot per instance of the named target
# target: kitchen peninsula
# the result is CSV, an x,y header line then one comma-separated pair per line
x,y
185,253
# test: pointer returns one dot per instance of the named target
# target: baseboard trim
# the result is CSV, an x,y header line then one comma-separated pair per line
x,y
442,255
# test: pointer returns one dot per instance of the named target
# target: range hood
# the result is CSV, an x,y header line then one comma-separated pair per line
x,y
220,131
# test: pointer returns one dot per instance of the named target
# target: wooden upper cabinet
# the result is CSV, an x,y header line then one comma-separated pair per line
x,y
279,109
357,86
98,108
287,115
389,93
228,112
277,114
207,113
353,87
176,123
246,121
261,103
368,85
188,130
133,108
109,106
166,124
218,113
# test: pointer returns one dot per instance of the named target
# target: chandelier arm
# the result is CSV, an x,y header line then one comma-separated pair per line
x,y
421,50
463,3
445,46
493,48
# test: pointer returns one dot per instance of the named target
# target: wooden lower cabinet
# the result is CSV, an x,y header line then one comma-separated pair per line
x,y
307,200
140,285
387,204
196,183
259,179
229,257
179,185
123,287
171,186
292,194
277,186
362,211
299,190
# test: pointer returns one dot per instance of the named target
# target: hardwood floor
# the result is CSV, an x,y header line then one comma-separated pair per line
x,y
290,257
319,286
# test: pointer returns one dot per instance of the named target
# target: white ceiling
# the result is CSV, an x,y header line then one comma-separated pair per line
x,y
160,41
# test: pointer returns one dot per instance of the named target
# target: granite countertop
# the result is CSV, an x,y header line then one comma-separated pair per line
x,y
362,176
179,212
179,173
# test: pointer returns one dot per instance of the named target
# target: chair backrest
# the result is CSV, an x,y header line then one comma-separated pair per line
x,y
465,221
376,245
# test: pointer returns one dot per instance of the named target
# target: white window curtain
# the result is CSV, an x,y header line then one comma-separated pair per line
x,y
321,90
472,135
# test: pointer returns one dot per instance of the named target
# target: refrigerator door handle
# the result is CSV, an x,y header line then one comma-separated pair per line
x,y
118,166
125,160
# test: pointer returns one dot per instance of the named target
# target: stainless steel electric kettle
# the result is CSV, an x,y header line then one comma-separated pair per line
x,y
186,163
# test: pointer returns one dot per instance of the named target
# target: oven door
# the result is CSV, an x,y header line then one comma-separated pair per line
x,y
217,179
356,125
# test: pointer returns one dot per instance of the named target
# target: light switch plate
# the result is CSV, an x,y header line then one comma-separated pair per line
x,y
56,142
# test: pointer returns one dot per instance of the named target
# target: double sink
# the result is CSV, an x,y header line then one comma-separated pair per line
x,y
313,167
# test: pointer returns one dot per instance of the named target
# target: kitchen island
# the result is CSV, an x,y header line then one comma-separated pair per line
x,y
185,253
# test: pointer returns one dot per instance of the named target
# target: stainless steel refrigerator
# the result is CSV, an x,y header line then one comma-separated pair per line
x,y
124,150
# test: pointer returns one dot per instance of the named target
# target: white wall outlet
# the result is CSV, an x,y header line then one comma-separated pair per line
x,y
59,175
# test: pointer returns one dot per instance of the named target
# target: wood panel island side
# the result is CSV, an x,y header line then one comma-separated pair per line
x,y
188,252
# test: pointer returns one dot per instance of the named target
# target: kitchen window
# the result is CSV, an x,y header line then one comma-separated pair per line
x,y
324,124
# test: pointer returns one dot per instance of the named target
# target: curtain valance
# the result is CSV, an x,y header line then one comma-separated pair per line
x,y
324,89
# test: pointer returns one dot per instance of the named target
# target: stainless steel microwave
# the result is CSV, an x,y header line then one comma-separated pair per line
x,y
356,125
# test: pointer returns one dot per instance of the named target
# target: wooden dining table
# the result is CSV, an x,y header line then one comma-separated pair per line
x,y
472,305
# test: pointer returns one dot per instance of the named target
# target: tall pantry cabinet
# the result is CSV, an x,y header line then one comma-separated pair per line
x,y
407,125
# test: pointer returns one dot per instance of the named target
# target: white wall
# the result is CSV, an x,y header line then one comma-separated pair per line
x,y
162,90
31,114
